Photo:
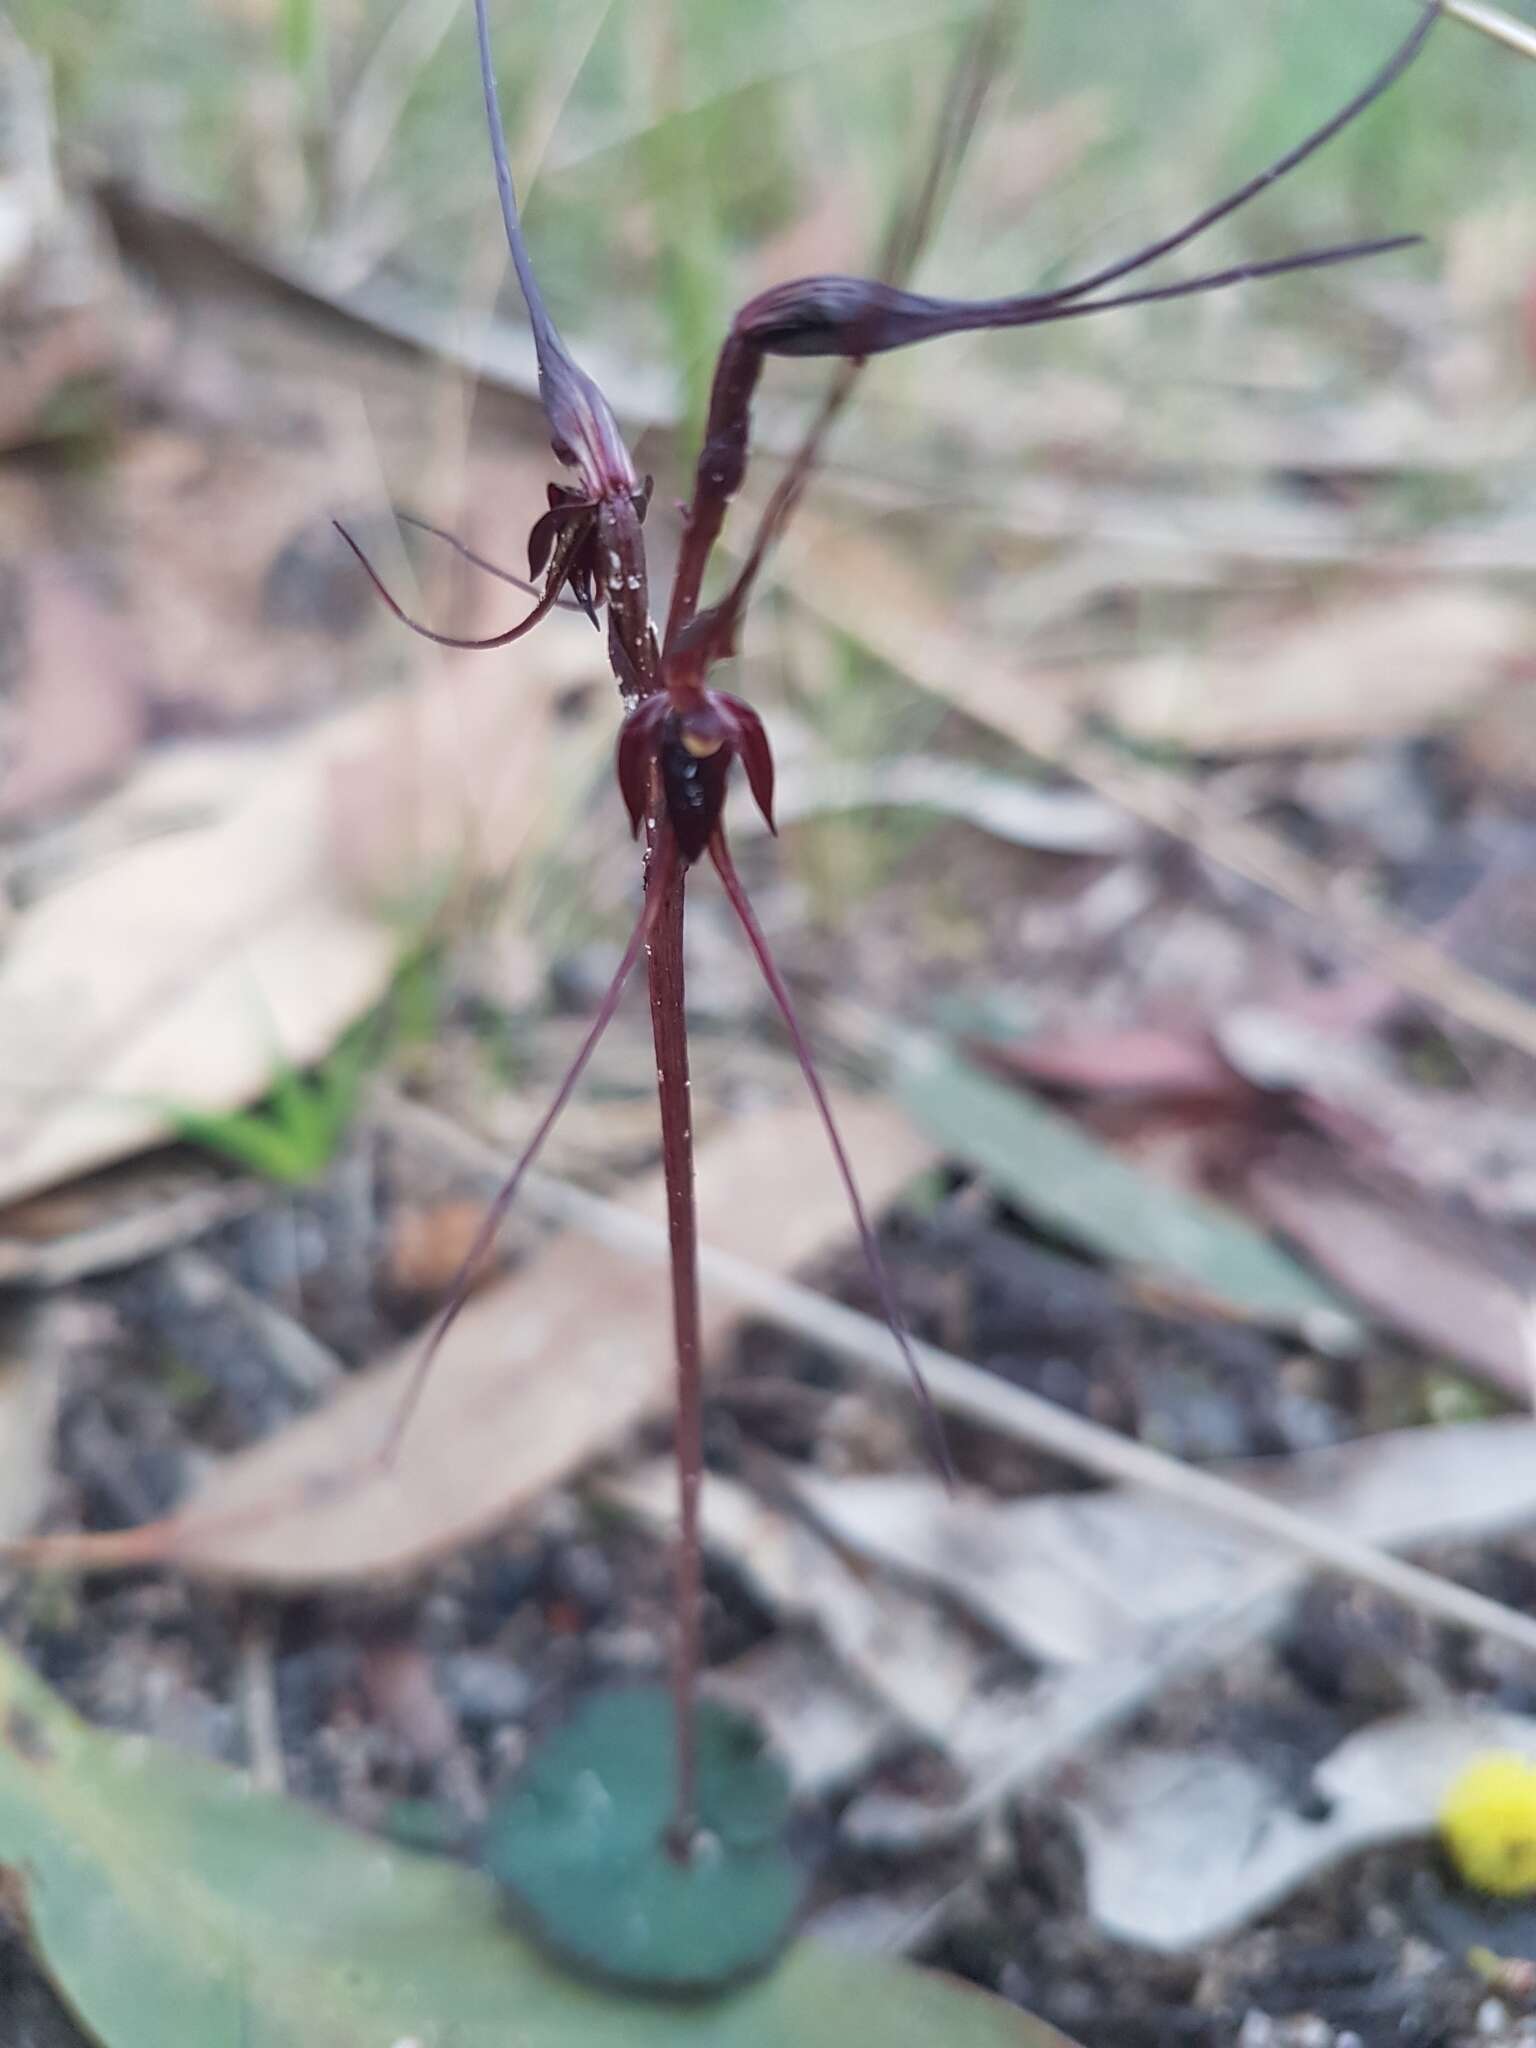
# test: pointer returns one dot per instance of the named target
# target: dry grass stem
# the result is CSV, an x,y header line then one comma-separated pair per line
x,y
1494,22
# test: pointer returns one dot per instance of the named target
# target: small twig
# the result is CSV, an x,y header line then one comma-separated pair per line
x,y
1494,22
258,1700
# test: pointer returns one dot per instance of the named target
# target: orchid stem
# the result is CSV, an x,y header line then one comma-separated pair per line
x,y
664,971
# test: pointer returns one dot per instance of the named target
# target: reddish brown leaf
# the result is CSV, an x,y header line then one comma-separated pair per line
x,y
1465,1291
1143,1061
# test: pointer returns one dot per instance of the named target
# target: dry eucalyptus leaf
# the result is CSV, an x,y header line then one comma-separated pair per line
x,y
1075,1578
1182,1848
539,1374
1464,1288
119,1218
1379,667
253,926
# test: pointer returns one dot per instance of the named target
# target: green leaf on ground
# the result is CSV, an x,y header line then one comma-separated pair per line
x,y
1067,1180
176,1907
581,1843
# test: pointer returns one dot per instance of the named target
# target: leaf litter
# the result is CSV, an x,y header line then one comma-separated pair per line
x,y
187,967
538,1378
237,899
1078,1719
861,586
1459,1286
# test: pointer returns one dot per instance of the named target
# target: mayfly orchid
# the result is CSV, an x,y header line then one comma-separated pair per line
x,y
680,736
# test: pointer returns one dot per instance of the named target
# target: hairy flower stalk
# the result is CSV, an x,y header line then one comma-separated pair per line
x,y
680,737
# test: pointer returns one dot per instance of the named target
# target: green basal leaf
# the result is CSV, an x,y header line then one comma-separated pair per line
x,y
176,1907
581,1845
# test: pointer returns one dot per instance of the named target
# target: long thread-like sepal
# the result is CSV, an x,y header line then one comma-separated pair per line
x,y
739,901
545,605
662,866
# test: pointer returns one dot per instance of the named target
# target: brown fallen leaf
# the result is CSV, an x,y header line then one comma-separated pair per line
x,y
1375,667
76,711
1138,1062
540,1374
1465,1290
1195,1095
180,969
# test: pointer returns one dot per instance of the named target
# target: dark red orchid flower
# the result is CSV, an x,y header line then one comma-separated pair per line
x,y
687,752
680,737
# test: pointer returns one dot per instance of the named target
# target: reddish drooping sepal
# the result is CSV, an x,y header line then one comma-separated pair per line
x,y
685,756
572,517
749,742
